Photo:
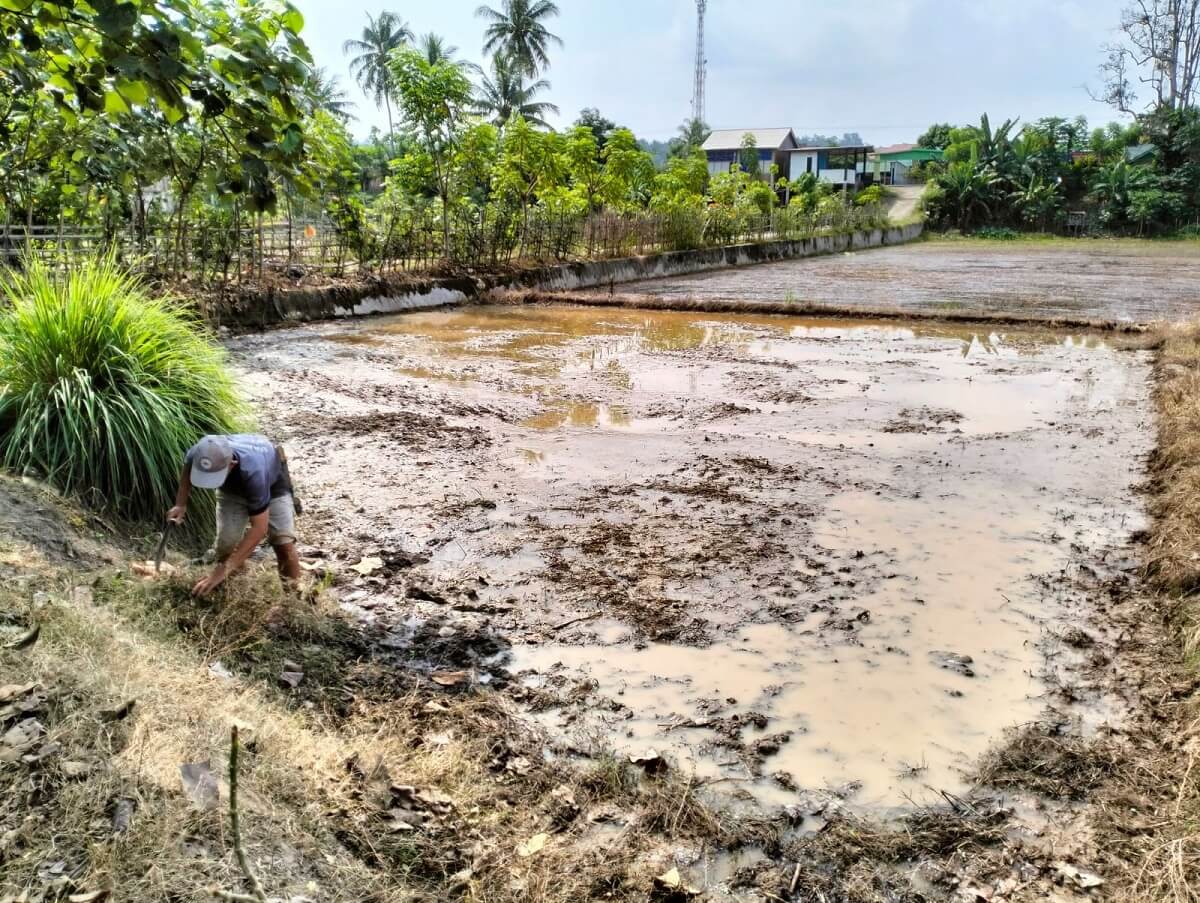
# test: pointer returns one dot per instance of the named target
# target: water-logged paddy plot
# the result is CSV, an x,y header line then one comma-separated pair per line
x,y
791,552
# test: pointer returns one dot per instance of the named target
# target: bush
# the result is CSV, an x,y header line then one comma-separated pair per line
x,y
872,194
997,233
103,388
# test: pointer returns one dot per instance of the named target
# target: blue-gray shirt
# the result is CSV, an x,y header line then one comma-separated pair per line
x,y
258,477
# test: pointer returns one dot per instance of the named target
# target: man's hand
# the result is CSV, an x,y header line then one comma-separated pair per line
x,y
211,582
177,514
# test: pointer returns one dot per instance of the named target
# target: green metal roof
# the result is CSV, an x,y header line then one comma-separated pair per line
x,y
1141,153
916,153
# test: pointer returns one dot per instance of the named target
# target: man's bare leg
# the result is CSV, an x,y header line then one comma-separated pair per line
x,y
288,560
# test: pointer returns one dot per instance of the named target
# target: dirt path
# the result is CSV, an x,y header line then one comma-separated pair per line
x,y
905,203
1136,281
805,556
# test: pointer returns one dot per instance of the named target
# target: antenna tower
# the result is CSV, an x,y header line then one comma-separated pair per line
x,y
701,64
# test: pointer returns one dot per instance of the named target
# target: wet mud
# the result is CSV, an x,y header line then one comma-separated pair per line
x,y
1100,280
803,557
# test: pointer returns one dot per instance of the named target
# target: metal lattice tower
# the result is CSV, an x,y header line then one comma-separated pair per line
x,y
701,64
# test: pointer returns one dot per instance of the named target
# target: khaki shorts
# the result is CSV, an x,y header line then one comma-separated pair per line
x,y
233,518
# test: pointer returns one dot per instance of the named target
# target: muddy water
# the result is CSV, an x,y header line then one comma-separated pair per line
x,y
767,546
1130,280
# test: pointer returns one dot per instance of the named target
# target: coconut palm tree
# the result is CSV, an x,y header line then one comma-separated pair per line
x,y
328,95
692,134
505,92
436,50
380,37
518,31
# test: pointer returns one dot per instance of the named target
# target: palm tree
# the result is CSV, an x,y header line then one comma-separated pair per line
x,y
369,67
692,134
328,95
436,50
506,92
518,32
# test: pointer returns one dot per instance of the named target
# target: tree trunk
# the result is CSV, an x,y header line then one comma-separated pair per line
x,y
387,103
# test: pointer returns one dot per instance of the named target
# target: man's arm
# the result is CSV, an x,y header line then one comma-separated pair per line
x,y
255,535
179,512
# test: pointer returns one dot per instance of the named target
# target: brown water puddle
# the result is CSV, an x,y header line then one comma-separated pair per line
x,y
716,518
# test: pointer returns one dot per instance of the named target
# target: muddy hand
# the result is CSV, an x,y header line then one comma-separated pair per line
x,y
212,581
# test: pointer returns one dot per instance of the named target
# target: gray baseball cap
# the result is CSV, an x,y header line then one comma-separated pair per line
x,y
211,459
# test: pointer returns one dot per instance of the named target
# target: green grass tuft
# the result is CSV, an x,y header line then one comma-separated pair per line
x,y
103,388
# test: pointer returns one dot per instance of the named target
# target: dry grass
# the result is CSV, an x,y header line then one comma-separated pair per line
x,y
1152,814
325,768
1174,549
1042,759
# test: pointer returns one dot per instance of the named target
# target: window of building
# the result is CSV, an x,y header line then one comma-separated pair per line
x,y
842,159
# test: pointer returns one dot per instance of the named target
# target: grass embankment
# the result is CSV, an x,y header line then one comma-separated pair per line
x,y
365,782
1170,848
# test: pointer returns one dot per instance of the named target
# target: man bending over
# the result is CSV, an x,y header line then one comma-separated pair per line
x,y
254,502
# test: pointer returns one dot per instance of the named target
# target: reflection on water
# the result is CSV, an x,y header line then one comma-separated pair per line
x,y
532,338
579,415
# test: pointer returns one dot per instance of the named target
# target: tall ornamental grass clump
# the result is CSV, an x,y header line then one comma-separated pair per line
x,y
103,388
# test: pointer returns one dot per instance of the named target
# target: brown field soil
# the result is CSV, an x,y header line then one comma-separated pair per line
x,y
1101,279
649,606
824,563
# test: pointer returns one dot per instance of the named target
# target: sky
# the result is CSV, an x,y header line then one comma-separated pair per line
x,y
883,68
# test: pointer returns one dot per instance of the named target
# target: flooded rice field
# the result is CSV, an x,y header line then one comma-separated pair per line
x,y
1109,280
798,556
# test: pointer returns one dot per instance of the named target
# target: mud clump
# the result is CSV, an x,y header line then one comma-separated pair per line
x,y
851,858
407,428
922,420
1047,760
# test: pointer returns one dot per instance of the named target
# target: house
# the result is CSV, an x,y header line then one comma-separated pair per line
x,y
843,166
772,146
840,166
893,163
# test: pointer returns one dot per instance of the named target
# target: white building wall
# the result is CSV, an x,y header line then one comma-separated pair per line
x,y
799,163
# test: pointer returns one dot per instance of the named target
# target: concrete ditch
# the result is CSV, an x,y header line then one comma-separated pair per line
x,y
244,309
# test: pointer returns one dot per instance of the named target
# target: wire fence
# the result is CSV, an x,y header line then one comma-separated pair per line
x,y
221,248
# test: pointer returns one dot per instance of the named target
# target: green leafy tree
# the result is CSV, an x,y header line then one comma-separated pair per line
x,y
600,126
937,135
434,100
93,104
584,165
474,163
518,31
681,185
382,36
531,164
748,155
628,171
